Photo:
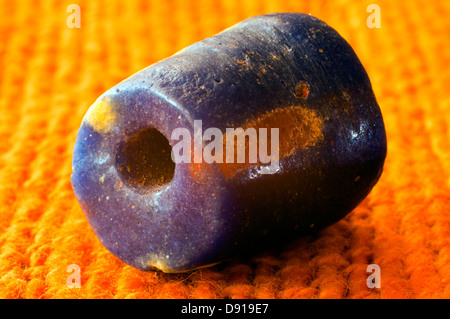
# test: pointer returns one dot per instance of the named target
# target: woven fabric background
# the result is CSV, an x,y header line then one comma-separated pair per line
x,y
50,74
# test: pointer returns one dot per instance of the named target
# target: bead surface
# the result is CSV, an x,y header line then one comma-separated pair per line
x,y
288,71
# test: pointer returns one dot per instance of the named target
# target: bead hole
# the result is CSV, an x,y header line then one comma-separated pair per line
x,y
144,161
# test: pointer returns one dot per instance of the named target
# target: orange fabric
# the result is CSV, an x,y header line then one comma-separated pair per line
x,y
50,74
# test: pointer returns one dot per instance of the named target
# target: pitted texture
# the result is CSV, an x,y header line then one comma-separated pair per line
x,y
50,75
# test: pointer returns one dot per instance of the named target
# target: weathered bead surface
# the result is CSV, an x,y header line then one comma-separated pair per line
x,y
288,71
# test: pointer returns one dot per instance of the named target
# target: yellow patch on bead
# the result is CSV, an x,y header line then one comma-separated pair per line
x,y
101,115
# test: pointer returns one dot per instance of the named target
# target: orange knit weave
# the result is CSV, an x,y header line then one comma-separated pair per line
x,y
50,74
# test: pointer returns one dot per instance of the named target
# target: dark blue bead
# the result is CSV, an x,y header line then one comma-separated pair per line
x,y
289,71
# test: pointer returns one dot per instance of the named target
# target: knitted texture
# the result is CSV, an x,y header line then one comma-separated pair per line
x,y
50,74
